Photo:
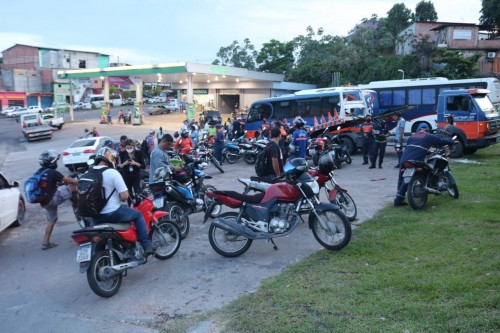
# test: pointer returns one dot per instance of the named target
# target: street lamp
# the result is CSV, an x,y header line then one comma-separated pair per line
x,y
403,72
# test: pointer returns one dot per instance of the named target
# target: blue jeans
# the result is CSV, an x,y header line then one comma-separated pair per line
x,y
402,188
126,214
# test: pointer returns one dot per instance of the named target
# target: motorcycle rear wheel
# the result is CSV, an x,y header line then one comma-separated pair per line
x,y
107,287
166,238
249,158
216,164
225,243
179,217
347,205
231,157
339,233
206,200
417,194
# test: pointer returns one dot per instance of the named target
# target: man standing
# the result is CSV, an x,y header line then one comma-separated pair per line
x,y
416,149
380,131
218,143
275,154
399,134
159,156
367,136
54,195
298,145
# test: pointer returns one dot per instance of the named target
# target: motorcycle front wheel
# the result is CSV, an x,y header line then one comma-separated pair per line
x,y
225,243
216,164
417,194
179,217
104,287
249,158
336,232
231,157
453,191
166,238
347,205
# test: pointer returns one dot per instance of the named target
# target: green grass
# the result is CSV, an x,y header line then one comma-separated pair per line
x,y
435,270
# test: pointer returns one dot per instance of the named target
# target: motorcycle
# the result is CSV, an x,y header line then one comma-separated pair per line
x,y
275,212
236,149
430,176
250,155
108,250
334,192
330,144
204,153
182,194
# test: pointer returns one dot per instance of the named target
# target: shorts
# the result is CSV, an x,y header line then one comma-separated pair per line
x,y
62,194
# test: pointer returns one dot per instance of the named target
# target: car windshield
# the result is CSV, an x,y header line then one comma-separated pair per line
x,y
83,143
213,113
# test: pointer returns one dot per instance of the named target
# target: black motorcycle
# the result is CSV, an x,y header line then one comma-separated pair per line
x,y
430,176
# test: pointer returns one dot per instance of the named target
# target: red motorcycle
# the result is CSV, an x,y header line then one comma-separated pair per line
x,y
322,174
276,212
108,250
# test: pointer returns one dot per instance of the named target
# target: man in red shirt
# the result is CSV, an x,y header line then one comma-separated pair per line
x,y
184,143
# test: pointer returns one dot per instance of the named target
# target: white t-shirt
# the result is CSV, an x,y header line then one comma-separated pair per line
x,y
112,179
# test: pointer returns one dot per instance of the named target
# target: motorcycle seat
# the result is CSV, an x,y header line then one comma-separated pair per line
x,y
114,226
255,198
266,179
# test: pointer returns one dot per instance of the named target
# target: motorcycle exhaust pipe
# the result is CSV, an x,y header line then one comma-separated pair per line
x,y
110,271
235,228
432,191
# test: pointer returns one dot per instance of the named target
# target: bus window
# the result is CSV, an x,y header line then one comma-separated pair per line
x,y
385,98
429,96
307,108
414,96
259,112
399,97
283,109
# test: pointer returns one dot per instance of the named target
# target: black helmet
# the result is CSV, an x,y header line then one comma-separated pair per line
x,y
176,134
296,166
325,164
107,155
299,122
48,159
184,133
108,143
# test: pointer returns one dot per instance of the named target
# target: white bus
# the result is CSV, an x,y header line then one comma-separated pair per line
x,y
98,100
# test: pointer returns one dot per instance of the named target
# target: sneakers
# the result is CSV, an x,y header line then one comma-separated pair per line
x,y
400,204
149,250
364,163
372,167
397,166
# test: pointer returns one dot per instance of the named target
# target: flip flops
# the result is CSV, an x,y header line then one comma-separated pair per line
x,y
48,246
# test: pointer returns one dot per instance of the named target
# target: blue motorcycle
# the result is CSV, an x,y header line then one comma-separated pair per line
x,y
182,193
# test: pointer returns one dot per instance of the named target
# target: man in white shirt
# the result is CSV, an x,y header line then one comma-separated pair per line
x,y
116,190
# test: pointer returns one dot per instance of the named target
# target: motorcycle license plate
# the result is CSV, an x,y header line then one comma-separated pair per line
x,y
409,172
84,252
158,202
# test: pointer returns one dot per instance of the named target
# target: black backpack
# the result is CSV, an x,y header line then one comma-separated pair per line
x,y
144,147
261,164
90,191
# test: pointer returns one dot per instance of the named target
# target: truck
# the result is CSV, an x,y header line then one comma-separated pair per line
x,y
33,127
55,119
476,121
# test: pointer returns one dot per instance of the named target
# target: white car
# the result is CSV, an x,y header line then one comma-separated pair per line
x,y
57,107
20,112
35,108
10,109
12,205
78,153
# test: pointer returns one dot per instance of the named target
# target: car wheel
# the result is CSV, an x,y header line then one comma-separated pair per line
x,y
21,210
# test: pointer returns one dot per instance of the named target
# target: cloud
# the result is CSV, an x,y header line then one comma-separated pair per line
x,y
8,40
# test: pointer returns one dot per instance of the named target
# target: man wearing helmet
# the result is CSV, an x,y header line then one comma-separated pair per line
x,y
117,192
55,195
298,145
416,150
184,143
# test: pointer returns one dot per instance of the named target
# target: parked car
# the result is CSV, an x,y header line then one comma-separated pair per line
x,y
173,106
7,112
20,112
213,115
35,108
158,109
57,106
78,152
55,119
12,205
82,106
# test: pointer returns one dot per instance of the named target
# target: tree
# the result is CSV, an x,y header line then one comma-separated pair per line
x,y
237,56
398,18
276,57
425,12
490,14
452,65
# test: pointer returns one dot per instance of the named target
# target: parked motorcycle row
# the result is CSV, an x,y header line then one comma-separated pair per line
x,y
108,250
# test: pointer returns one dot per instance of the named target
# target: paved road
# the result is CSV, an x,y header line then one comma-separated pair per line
x,y
43,290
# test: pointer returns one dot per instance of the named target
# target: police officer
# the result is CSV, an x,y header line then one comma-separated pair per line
x,y
367,137
380,131
416,149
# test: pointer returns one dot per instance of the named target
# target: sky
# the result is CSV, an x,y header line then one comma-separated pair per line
x,y
162,31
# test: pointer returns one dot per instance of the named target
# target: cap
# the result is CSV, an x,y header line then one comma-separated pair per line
x,y
423,126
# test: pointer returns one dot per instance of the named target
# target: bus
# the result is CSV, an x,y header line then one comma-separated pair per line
x,y
98,100
421,95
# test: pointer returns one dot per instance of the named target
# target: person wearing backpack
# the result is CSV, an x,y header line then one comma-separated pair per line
x,y
51,196
115,192
270,163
